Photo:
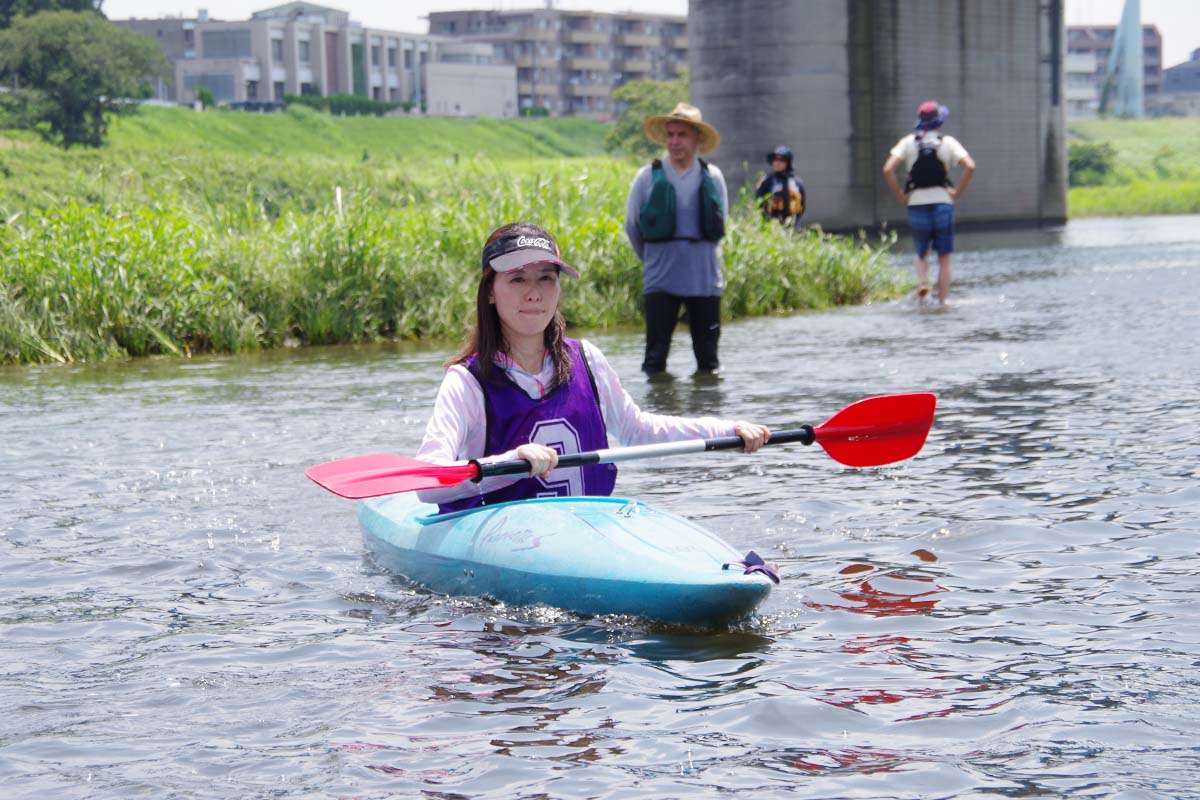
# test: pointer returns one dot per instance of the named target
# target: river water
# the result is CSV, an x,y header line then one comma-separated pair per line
x,y
1014,612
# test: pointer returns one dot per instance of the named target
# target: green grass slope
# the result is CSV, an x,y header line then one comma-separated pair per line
x,y
291,159
1166,148
1156,169
303,131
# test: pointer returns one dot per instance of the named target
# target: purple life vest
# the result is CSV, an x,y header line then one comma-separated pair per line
x,y
568,419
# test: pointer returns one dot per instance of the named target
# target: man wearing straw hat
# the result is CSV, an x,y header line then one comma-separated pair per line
x,y
674,217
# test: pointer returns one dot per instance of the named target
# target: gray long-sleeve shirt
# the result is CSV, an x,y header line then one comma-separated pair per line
x,y
686,267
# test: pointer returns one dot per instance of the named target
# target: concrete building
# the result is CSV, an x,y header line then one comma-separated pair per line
x,y
1183,77
1096,41
1081,91
840,81
176,37
464,81
1181,90
300,48
569,62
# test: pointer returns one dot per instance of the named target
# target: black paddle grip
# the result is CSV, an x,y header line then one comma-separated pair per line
x,y
804,435
520,466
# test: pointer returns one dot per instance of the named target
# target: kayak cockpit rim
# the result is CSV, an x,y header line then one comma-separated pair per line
x,y
433,519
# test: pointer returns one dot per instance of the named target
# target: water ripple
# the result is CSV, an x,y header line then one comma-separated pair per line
x,y
1012,613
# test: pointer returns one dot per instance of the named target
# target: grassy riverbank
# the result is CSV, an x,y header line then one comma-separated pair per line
x,y
1156,167
220,231
287,161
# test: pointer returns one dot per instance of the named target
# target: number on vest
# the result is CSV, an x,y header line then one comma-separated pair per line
x,y
559,435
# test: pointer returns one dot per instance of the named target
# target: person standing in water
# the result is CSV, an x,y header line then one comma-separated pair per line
x,y
928,192
781,193
674,217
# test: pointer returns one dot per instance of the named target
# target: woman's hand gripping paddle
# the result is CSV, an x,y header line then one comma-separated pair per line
x,y
869,433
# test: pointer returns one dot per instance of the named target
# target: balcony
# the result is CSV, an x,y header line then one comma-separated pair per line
x,y
585,37
589,90
541,88
589,63
534,35
634,65
679,42
638,40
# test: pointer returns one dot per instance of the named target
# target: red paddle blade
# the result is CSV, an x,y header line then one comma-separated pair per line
x,y
878,430
381,473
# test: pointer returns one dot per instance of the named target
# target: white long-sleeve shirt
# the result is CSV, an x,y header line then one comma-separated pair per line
x,y
458,428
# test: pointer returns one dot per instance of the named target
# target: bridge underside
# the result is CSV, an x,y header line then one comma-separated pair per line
x,y
839,81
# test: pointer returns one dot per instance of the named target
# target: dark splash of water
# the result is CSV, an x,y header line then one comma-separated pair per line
x,y
1011,613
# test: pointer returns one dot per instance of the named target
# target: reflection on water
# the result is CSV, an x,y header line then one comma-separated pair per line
x,y
886,595
1013,612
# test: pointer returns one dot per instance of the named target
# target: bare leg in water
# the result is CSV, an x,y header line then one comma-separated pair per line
x,y
922,266
943,277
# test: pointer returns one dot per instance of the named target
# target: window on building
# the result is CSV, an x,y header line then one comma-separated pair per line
x,y
304,48
391,57
219,83
251,90
408,59
278,90
225,43
376,57
277,51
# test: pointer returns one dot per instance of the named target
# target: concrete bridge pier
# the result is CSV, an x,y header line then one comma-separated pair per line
x,y
839,81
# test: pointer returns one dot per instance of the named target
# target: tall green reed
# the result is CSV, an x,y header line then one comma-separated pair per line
x,y
182,271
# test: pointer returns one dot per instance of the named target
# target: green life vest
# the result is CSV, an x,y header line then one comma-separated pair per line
x,y
656,219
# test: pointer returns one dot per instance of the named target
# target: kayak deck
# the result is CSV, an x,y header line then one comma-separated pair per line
x,y
590,555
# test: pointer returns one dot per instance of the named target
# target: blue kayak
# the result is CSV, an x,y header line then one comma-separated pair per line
x,y
590,555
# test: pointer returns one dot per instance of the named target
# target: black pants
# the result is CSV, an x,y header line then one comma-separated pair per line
x,y
662,314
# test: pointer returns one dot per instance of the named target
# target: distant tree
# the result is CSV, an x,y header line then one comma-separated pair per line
x,y
11,9
643,99
205,96
76,68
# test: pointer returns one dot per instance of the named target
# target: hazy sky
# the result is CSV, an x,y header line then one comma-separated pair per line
x,y
1178,20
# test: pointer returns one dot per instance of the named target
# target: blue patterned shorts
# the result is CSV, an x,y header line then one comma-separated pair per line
x,y
932,224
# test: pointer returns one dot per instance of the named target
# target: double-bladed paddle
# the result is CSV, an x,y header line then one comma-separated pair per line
x,y
869,433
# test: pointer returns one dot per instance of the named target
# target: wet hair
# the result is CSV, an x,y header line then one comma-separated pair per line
x,y
487,337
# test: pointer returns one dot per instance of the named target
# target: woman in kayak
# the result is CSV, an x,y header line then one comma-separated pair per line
x,y
520,389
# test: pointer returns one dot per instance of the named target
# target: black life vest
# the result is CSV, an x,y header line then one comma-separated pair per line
x,y
928,170
656,218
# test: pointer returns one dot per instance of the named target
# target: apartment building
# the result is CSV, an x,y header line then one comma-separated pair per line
x,y
1181,90
1092,44
300,48
1081,91
569,62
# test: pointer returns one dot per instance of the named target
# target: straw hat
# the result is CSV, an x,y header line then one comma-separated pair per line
x,y
656,127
